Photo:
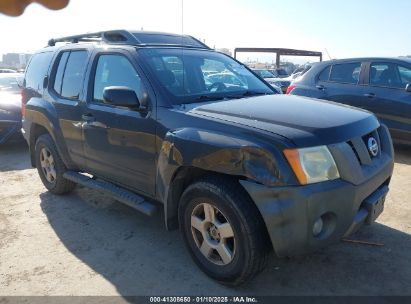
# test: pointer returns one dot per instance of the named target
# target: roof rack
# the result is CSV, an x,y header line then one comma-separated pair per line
x,y
137,38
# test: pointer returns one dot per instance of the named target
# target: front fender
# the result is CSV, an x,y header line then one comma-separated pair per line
x,y
184,151
216,152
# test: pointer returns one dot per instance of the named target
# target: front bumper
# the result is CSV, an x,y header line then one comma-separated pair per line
x,y
290,212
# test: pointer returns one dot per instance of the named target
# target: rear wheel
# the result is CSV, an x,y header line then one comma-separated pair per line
x,y
50,166
223,230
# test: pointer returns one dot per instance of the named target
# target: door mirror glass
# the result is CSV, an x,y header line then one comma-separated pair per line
x,y
121,96
408,87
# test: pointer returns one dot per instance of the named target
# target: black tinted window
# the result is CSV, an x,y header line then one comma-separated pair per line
x,y
346,73
305,70
325,74
37,69
60,70
405,75
389,75
73,74
115,70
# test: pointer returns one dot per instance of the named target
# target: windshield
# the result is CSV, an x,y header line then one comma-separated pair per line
x,y
282,72
195,75
265,73
9,84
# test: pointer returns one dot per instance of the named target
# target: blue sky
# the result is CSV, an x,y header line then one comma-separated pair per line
x,y
346,28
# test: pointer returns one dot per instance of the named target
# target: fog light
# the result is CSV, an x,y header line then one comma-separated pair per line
x,y
318,227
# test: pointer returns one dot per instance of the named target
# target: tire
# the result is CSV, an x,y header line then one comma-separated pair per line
x,y
54,182
249,247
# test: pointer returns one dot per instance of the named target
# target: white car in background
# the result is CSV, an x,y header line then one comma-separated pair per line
x,y
272,79
230,80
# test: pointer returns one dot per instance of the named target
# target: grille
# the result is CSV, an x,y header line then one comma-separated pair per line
x,y
354,150
359,145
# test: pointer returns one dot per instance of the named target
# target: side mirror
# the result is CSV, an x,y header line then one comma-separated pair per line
x,y
45,81
121,96
408,87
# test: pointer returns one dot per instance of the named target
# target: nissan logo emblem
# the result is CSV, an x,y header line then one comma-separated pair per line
x,y
373,146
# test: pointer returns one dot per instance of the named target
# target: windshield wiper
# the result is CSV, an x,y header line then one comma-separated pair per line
x,y
248,93
209,98
241,95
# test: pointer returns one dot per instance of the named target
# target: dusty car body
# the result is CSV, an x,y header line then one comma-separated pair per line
x,y
237,167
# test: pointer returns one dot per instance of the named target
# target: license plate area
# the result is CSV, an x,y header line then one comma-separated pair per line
x,y
374,204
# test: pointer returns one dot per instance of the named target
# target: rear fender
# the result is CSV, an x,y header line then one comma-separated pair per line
x,y
42,113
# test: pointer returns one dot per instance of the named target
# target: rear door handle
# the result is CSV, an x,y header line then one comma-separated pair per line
x,y
87,117
320,87
369,95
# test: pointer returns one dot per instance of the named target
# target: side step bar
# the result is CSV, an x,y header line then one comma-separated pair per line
x,y
122,195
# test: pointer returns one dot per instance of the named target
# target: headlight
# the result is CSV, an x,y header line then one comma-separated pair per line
x,y
312,165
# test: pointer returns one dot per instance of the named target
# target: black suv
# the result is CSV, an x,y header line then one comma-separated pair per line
x,y
379,85
238,168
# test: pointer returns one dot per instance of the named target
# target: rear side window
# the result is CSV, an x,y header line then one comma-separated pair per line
x,y
325,74
305,70
37,70
60,71
389,75
346,73
405,75
73,75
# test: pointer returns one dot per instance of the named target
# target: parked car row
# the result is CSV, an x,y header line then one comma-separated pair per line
x,y
3,71
230,80
10,107
379,85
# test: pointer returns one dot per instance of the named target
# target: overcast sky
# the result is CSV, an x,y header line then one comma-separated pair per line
x,y
345,28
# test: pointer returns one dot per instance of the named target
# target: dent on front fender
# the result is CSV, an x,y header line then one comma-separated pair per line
x,y
215,152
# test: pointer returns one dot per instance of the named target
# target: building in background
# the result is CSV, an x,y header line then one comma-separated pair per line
x,y
15,60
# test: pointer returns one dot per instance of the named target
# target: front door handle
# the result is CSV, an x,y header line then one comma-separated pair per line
x,y
320,87
87,117
370,95
96,124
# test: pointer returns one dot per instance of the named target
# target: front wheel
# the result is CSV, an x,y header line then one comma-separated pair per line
x,y
223,230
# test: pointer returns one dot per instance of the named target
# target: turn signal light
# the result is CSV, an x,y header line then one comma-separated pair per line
x,y
290,88
22,104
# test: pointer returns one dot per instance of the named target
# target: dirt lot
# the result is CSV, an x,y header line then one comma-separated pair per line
x,y
87,244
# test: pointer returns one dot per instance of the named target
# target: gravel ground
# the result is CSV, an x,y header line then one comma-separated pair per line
x,y
87,244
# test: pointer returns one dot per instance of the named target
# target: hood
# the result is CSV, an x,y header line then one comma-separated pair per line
x,y
305,121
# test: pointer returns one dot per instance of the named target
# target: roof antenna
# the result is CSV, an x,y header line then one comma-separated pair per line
x,y
182,43
328,54
182,17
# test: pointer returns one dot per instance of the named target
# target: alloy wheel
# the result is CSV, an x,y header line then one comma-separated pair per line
x,y
213,234
47,165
